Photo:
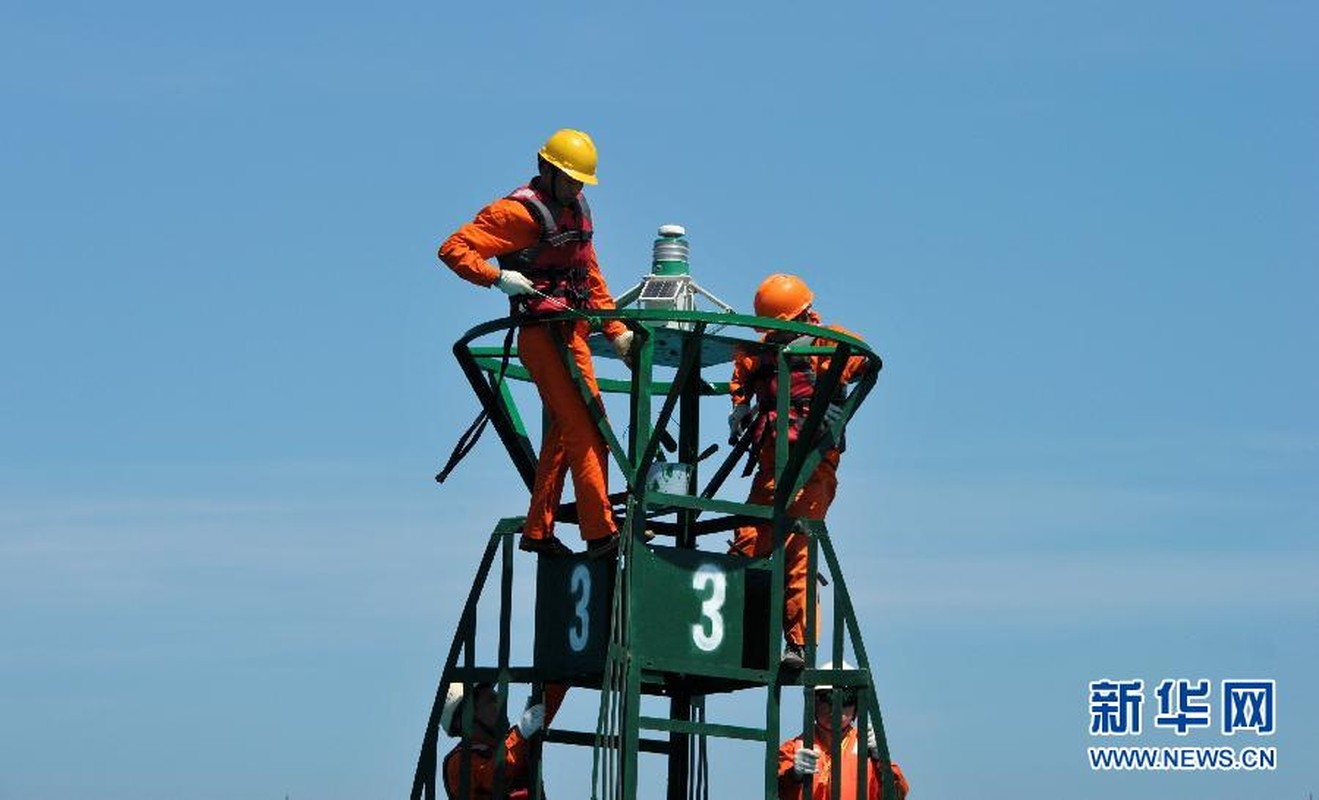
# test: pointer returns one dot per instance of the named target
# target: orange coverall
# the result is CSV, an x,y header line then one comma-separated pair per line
x,y
481,785
506,226
790,786
812,502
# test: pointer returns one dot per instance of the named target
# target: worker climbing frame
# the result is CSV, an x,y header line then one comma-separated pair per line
x,y
666,618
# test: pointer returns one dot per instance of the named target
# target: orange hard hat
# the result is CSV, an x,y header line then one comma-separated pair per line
x,y
782,297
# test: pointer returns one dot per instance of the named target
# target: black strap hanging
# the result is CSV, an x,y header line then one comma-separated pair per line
x,y
473,433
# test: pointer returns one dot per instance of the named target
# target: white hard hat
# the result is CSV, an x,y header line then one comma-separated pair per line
x,y
453,700
824,687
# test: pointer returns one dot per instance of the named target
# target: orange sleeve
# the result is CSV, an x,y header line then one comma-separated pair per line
x,y
900,781
738,389
452,765
875,786
482,781
516,748
504,226
856,365
789,786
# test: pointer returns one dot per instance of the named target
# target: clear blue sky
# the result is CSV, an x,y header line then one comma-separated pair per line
x,y
1082,235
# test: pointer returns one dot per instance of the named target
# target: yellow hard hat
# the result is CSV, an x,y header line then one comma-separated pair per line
x,y
573,152
782,297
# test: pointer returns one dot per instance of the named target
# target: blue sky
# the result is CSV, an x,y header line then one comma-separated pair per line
x,y
1081,235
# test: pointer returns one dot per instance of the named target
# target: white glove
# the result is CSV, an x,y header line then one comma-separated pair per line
x,y
872,744
803,763
533,719
832,414
513,282
738,421
623,343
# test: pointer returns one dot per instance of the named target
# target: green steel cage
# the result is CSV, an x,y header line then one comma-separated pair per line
x,y
666,617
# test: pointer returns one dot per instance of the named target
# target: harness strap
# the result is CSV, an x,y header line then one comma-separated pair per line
x,y
766,412
569,284
765,415
473,433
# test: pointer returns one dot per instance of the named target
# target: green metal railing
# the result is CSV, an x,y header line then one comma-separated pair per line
x,y
707,340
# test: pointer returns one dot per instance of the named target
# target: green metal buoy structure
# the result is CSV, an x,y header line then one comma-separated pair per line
x,y
667,617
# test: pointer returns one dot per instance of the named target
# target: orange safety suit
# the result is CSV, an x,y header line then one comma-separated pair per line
x,y
812,502
572,440
790,785
517,750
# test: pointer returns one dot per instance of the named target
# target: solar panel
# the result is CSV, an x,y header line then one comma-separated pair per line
x,y
661,288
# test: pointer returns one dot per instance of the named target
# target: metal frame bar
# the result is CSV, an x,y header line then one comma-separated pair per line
x,y
625,679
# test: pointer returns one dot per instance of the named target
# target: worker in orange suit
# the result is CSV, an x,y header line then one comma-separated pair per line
x,y
796,761
755,380
487,725
540,235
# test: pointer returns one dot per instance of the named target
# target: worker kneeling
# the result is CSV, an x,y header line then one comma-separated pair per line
x,y
488,727
755,378
796,761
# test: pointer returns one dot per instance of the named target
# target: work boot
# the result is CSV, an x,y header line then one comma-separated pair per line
x,y
794,657
604,547
548,546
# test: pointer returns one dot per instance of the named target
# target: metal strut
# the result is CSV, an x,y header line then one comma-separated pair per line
x,y
654,582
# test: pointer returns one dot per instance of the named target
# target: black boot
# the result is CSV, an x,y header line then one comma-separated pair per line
x,y
794,657
604,547
550,546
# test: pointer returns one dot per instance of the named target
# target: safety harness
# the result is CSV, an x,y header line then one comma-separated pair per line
x,y
484,751
764,383
557,264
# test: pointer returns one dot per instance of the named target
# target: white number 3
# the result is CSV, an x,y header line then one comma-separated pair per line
x,y
709,575
580,581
